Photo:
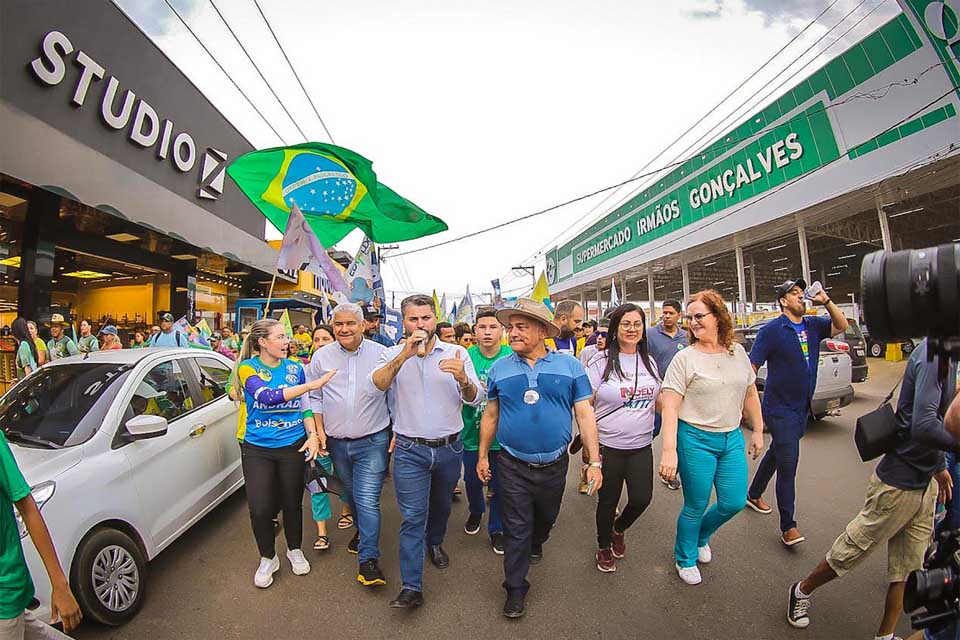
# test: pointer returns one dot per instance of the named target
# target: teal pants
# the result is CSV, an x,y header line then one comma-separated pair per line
x,y
320,502
708,460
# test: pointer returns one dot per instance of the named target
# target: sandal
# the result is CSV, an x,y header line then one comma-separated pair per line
x,y
322,543
345,521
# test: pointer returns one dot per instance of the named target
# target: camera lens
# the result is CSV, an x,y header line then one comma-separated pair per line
x,y
929,587
912,293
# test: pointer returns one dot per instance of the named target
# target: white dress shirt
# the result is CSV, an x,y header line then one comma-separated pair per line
x,y
427,401
348,406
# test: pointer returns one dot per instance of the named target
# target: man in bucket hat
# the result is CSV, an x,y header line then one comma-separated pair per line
x,y
790,347
531,396
60,344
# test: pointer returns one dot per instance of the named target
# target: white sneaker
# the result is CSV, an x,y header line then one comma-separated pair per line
x,y
704,555
298,563
264,576
690,575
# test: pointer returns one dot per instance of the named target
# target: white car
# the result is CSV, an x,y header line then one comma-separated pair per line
x,y
124,451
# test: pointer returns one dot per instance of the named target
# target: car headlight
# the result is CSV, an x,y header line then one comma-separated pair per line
x,y
41,494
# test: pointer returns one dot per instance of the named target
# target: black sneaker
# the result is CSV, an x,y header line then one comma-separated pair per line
x,y
370,574
407,599
798,609
354,546
513,607
472,527
496,541
536,553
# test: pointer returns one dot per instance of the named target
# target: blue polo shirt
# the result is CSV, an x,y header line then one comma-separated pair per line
x,y
663,348
791,374
536,403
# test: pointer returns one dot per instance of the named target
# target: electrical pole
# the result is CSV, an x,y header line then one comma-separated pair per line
x,y
532,273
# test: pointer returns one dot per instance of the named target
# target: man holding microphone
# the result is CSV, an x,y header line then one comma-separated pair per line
x,y
430,381
532,396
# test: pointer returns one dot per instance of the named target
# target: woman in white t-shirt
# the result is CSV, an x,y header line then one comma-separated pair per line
x,y
626,388
707,388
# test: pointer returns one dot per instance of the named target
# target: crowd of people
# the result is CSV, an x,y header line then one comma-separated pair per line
x,y
505,402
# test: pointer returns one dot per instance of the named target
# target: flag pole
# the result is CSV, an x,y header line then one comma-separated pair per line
x,y
266,310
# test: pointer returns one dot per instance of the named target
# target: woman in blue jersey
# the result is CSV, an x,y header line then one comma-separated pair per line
x,y
280,435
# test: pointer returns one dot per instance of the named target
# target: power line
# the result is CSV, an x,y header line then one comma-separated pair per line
x,y
295,74
257,69
229,77
717,218
702,118
801,116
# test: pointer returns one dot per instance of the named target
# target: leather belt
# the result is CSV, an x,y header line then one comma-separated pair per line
x,y
433,442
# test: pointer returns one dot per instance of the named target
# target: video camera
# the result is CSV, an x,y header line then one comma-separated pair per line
x,y
917,293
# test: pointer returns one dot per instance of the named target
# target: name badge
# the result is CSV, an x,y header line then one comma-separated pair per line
x,y
531,396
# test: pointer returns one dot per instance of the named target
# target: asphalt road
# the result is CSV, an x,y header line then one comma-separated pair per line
x,y
202,586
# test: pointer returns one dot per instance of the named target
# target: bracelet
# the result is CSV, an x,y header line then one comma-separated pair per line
x,y
596,465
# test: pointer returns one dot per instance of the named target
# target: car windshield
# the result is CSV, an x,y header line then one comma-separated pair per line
x,y
853,332
62,405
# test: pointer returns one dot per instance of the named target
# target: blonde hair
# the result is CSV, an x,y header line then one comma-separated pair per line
x,y
251,346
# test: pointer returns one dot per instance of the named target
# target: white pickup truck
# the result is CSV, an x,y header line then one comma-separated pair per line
x,y
834,377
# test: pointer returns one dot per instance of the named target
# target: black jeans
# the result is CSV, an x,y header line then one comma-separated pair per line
x,y
274,481
530,503
633,467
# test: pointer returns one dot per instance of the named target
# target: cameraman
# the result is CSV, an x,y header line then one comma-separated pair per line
x,y
901,496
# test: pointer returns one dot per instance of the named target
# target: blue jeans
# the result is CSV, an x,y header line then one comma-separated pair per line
x,y
423,479
361,465
475,497
783,457
952,517
708,459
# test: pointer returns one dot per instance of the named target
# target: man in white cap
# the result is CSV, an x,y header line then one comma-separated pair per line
x,y
532,396
60,344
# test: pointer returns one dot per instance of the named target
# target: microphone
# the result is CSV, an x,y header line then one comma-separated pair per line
x,y
422,348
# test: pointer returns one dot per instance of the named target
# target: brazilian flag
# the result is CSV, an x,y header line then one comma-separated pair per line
x,y
335,188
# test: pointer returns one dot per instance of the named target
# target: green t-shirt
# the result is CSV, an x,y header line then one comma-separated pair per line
x,y
62,348
88,344
16,587
471,415
25,359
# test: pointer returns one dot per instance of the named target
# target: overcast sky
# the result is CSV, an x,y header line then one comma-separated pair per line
x,y
484,112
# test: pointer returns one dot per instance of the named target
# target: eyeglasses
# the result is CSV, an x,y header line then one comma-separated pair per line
x,y
632,325
697,316
281,338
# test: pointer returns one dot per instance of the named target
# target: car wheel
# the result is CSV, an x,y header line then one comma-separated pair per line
x,y
876,349
109,577
818,417
906,348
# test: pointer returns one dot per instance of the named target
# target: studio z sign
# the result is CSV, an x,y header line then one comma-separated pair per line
x,y
146,128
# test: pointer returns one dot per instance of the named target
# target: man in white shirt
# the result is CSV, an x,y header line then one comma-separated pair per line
x,y
353,424
430,381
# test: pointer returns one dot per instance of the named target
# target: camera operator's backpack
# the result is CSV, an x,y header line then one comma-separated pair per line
x,y
877,432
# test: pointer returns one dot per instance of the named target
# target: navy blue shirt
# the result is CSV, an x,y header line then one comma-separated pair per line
x,y
923,402
663,348
536,420
791,373
379,338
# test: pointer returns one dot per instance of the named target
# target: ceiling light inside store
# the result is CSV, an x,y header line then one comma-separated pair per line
x,y
122,237
11,262
782,269
853,244
780,260
903,213
709,264
184,256
87,275
779,246
852,255
720,282
831,275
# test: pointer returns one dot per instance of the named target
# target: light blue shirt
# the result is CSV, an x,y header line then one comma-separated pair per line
x,y
426,401
348,406
169,339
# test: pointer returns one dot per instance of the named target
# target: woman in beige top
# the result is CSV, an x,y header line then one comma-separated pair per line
x,y
707,388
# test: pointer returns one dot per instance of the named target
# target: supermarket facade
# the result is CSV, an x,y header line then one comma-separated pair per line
x,y
113,197
864,154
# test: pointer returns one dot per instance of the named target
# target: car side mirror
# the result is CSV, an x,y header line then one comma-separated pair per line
x,y
145,426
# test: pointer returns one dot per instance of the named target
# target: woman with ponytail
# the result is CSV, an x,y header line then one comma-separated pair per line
x,y
280,434
27,357
626,390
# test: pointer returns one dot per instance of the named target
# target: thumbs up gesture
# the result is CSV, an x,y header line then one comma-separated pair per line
x,y
455,367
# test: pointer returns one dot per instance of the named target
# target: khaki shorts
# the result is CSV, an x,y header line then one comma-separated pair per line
x,y
26,626
901,518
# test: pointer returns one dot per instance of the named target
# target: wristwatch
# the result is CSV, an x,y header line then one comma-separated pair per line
x,y
596,465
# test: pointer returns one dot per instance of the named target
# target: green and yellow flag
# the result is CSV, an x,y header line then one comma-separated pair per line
x,y
335,188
